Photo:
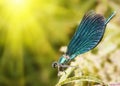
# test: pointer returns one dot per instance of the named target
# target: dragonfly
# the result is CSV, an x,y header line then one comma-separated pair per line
x,y
87,36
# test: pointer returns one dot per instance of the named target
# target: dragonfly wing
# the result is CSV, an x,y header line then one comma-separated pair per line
x,y
88,35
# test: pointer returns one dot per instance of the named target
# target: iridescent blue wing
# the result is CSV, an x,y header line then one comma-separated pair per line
x,y
88,35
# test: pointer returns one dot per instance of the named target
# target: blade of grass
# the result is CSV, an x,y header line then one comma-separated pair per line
x,y
82,79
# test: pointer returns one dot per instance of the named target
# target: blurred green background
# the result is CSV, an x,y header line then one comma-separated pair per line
x,y
33,31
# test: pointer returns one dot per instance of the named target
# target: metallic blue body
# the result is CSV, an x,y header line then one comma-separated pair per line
x,y
62,60
88,35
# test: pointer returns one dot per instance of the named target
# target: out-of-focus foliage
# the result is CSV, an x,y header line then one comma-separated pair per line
x,y
32,32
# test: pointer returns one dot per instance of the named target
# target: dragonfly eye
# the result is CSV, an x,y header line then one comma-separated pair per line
x,y
55,64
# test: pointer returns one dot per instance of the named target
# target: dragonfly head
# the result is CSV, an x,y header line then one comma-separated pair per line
x,y
59,66
55,64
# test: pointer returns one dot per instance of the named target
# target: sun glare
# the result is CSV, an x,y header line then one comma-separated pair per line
x,y
20,17
16,6
17,14
17,2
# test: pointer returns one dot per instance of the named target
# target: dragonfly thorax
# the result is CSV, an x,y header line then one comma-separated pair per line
x,y
64,59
